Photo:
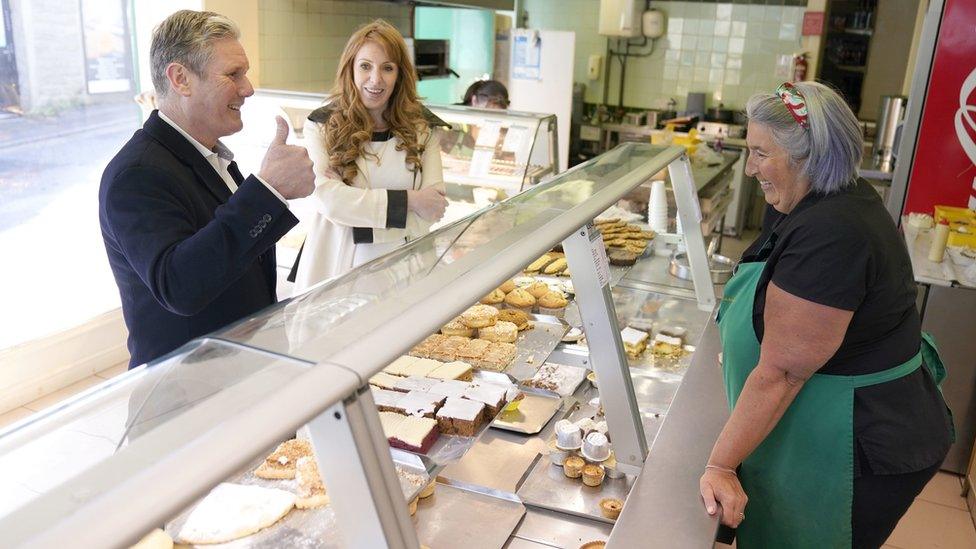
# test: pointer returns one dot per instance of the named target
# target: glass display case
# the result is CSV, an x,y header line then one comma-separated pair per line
x,y
131,454
505,150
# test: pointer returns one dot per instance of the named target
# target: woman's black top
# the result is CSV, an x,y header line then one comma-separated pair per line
x,y
844,251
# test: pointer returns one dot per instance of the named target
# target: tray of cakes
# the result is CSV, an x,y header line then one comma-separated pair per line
x,y
438,409
278,501
558,378
577,473
498,340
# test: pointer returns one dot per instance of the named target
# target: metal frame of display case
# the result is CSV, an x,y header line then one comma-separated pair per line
x,y
537,123
323,384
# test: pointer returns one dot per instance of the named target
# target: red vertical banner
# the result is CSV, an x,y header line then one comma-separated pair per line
x,y
944,171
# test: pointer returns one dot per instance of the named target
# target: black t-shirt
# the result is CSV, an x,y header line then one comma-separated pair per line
x,y
844,251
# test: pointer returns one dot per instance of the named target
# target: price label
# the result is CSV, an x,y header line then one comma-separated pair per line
x,y
599,254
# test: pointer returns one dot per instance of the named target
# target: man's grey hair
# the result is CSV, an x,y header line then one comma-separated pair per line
x,y
186,37
829,151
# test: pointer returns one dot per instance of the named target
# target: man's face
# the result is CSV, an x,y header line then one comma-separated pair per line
x,y
214,103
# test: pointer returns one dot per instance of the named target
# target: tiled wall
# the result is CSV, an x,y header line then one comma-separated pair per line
x,y
301,40
727,50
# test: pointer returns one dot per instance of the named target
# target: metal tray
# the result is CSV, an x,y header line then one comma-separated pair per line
x,y
574,377
535,345
535,411
547,487
458,516
306,528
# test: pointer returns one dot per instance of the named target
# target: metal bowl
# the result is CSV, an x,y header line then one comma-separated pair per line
x,y
719,266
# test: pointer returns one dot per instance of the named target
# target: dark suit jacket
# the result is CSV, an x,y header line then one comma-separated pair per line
x,y
188,257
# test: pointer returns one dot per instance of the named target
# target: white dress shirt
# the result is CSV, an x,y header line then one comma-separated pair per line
x,y
220,157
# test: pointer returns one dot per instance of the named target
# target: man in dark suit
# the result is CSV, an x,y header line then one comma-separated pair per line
x,y
189,239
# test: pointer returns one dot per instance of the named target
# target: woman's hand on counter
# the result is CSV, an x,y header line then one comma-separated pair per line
x,y
720,487
429,203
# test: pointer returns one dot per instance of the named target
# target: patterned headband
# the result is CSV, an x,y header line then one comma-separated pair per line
x,y
795,103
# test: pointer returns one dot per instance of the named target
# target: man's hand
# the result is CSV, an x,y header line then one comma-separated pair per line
x,y
287,168
428,203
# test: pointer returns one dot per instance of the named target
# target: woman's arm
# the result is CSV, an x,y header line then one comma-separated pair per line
x,y
427,202
800,336
341,203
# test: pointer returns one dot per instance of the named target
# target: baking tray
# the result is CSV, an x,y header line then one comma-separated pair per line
x,y
306,528
535,345
535,411
547,487
457,515
574,377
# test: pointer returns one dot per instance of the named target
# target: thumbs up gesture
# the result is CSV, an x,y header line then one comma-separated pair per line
x,y
286,167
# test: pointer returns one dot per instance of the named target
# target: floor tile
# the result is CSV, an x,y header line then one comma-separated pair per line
x,y
58,396
929,525
118,369
14,415
944,489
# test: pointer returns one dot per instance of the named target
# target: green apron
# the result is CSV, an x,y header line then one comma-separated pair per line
x,y
800,479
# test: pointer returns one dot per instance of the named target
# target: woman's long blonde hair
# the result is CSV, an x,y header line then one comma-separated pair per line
x,y
350,126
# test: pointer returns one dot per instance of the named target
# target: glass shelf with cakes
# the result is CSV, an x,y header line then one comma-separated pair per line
x,y
505,150
353,366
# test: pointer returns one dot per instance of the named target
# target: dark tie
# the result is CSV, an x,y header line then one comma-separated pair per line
x,y
235,173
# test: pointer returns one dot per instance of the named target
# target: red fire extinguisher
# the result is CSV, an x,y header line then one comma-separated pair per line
x,y
799,67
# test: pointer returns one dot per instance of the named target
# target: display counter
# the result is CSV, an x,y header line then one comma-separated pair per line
x,y
138,451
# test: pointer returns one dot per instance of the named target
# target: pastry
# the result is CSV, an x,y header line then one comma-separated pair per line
x,y
492,396
610,507
593,475
414,383
460,416
635,341
507,286
281,463
502,331
421,367
497,357
424,348
311,491
447,349
515,316
457,328
452,370
522,282
573,466
384,380
537,289
412,507
479,316
594,545
494,298
419,403
557,456
556,266
647,235
473,351
232,511
553,303
623,257
386,401
539,264
398,366
428,490
450,388
520,299
415,434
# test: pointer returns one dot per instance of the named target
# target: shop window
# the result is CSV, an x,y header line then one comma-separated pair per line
x,y
66,107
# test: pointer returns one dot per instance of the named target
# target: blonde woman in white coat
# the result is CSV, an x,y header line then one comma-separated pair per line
x,y
376,156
